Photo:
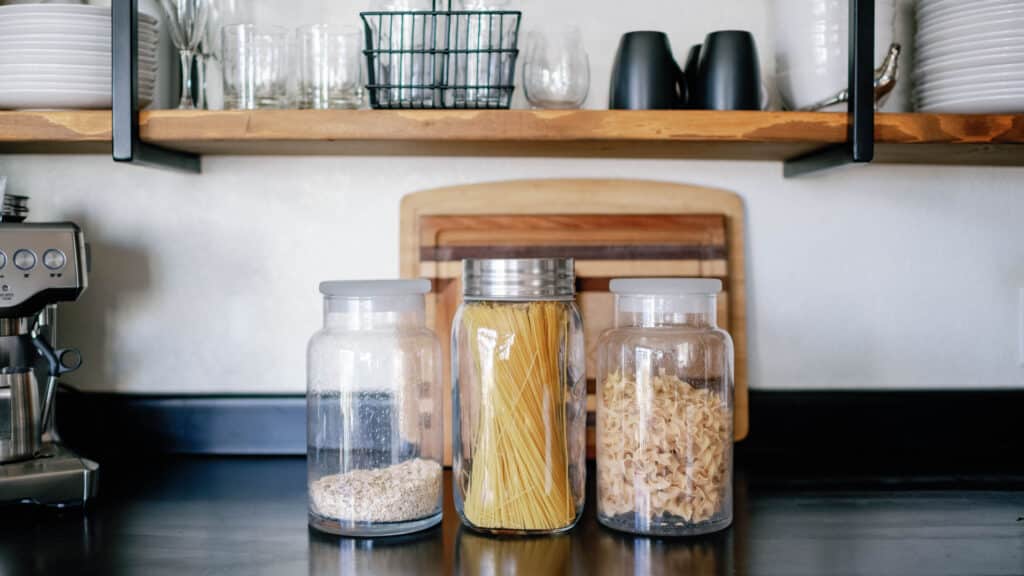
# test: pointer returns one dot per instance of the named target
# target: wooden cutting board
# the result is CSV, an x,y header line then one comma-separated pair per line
x,y
613,228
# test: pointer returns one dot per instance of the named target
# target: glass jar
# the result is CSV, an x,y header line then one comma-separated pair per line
x,y
664,410
519,398
374,430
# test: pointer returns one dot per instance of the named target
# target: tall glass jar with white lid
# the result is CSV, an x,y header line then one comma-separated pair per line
x,y
374,430
665,410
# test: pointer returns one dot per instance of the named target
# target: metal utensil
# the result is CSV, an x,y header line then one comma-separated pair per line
x,y
885,82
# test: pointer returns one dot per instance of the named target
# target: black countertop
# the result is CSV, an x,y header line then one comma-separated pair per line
x,y
248,516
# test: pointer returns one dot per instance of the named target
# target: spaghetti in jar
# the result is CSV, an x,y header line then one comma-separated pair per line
x,y
519,397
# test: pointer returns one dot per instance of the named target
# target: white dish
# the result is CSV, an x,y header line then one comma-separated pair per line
x,y
979,72
81,47
1010,86
987,105
66,70
67,10
987,15
966,48
938,8
950,64
975,31
973,80
101,24
97,39
68,57
43,99
77,82
76,30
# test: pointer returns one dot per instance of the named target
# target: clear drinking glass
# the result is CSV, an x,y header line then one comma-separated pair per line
x,y
665,410
556,70
187,22
519,398
375,432
255,66
330,74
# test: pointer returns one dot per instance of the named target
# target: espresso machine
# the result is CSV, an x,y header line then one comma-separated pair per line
x,y
41,265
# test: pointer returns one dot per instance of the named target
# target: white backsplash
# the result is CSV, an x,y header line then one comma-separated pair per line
x,y
871,277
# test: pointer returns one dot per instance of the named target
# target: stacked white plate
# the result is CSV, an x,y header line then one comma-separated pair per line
x,y
59,56
970,56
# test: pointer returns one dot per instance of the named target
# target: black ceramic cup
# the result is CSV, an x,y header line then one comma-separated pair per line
x,y
645,75
692,74
729,76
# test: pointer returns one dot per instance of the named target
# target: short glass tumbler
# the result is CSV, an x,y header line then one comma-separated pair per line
x,y
556,70
374,430
255,66
330,74
665,410
519,398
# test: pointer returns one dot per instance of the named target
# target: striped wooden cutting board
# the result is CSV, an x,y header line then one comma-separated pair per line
x,y
613,228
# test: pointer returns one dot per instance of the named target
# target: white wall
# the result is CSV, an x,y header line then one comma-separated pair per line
x,y
875,277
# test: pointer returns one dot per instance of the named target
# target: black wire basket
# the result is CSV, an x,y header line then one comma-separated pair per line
x,y
441,58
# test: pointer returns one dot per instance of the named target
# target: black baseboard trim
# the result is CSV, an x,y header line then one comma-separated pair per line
x,y
941,433
227,425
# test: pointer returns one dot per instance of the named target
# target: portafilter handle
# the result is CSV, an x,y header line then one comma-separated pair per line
x,y
59,362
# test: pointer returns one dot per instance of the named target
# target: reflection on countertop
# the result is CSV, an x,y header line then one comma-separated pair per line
x,y
248,516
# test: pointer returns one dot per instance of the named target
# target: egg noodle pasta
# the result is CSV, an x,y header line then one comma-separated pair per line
x,y
520,476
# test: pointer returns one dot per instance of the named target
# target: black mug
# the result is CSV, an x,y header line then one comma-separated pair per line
x,y
729,73
645,75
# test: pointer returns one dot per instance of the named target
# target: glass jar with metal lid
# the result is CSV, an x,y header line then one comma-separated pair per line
x,y
374,430
664,410
519,397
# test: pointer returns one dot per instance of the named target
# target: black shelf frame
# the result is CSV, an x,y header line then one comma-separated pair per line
x,y
127,147
859,147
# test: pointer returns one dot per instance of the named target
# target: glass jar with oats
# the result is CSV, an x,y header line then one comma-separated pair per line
x,y
664,410
519,398
374,429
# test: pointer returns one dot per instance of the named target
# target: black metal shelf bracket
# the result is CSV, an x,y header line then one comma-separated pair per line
x,y
124,29
860,143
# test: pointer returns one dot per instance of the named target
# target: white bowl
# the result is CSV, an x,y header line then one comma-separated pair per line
x,y
1012,104
77,10
811,46
48,99
89,22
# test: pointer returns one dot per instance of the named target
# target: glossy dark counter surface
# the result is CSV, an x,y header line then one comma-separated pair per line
x,y
247,516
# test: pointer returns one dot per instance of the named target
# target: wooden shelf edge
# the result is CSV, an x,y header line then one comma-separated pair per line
x,y
690,134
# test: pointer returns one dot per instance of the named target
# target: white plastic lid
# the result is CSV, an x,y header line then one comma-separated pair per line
x,y
665,286
374,288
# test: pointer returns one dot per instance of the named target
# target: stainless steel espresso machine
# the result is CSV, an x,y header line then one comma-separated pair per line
x,y
41,264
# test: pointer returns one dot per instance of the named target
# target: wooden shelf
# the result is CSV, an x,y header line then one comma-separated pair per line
x,y
901,138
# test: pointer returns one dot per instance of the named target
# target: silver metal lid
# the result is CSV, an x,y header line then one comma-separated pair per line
x,y
524,279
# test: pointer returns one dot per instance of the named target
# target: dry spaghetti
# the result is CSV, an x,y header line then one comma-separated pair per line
x,y
520,476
